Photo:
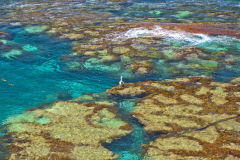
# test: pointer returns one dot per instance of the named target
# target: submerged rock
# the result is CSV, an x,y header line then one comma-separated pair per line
x,y
97,64
64,130
73,36
98,98
62,95
35,29
29,48
4,35
197,117
12,54
182,14
121,50
140,68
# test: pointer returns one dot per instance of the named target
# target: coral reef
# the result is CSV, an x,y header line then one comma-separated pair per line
x,y
197,117
142,45
103,41
64,130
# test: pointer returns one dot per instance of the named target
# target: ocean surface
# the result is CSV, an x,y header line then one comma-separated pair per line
x,y
34,64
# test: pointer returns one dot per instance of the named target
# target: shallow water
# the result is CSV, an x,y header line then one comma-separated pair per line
x,y
36,77
37,67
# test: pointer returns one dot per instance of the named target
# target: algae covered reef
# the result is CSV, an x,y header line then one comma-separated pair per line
x,y
198,118
145,39
64,130
192,118
61,60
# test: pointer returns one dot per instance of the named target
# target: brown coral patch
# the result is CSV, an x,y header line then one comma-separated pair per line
x,y
74,131
193,112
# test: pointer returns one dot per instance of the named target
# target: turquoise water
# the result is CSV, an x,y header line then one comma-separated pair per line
x,y
33,65
36,77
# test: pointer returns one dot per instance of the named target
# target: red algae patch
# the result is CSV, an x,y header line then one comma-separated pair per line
x,y
201,28
198,118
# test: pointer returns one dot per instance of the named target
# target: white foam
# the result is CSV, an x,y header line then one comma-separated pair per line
x,y
202,39
157,31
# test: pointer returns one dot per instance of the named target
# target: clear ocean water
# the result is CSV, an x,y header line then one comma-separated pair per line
x,y
37,77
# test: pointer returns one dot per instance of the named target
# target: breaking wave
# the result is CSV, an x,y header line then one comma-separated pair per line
x,y
157,31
